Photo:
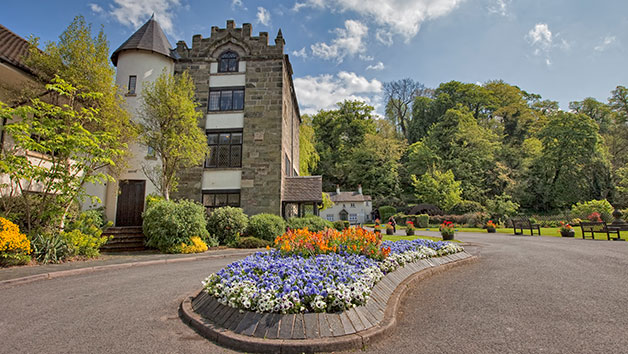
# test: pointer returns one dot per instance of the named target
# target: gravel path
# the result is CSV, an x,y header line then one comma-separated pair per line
x,y
524,295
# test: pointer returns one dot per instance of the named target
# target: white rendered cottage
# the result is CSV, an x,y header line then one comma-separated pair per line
x,y
354,207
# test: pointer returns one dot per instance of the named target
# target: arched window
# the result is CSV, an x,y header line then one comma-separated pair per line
x,y
228,62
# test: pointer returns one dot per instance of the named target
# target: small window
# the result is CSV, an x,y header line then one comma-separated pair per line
x,y
330,217
217,199
225,150
353,205
353,217
150,152
132,83
228,62
231,99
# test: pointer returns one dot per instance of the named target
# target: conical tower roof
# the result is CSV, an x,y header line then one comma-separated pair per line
x,y
149,37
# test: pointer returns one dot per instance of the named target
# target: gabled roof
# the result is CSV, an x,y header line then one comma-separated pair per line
x,y
348,197
149,37
13,48
303,189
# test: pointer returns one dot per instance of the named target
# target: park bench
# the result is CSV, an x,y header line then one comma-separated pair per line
x,y
520,224
598,227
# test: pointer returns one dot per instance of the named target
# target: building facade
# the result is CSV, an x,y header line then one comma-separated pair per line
x,y
251,118
354,207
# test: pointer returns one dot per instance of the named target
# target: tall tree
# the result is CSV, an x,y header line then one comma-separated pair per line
x,y
399,96
308,156
438,188
169,125
600,112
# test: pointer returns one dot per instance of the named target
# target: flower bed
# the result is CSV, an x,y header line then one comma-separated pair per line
x,y
298,279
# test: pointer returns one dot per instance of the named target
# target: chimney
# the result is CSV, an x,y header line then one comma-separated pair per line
x,y
359,189
337,189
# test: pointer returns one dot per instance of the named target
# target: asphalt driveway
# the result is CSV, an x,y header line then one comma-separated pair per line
x,y
524,295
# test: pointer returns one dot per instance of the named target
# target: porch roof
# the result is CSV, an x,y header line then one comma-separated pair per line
x,y
303,189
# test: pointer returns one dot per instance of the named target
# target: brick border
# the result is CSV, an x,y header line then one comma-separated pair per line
x,y
357,340
70,272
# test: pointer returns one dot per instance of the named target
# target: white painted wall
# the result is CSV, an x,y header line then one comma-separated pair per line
x,y
362,209
226,80
222,179
224,120
147,67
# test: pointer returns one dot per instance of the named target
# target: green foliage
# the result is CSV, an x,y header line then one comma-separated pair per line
x,y
468,206
385,212
82,244
49,248
327,203
75,155
252,242
339,225
584,209
169,125
308,156
422,220
438,188
226,224
312,222
14,259
168,224
502,208
153,199
266,226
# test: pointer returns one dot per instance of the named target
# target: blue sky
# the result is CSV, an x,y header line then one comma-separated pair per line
x,y
565,50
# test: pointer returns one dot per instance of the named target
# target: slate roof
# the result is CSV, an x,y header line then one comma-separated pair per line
x,y
348,197
149,37
303,189
13,48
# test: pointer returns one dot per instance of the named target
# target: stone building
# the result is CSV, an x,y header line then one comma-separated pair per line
x,y
251,117
352,206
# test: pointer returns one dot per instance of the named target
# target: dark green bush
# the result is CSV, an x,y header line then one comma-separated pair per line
x,y
584,209
266,226
312,222
252,242
13,259
339,225
468,206
168,224
49,248
227,224
422,220
385,212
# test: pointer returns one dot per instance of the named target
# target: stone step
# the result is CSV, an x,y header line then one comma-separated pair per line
x,y
123,230
124,239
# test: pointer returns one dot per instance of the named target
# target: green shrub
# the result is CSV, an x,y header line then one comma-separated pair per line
x,y
168,224
339,225
153,199
468,206
49,248
226,224
584,209
252,242
501,208
266,226
312,222
385,212
422,220
13,259
84,244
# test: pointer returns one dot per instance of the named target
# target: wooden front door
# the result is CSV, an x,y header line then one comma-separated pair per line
x,y
130,203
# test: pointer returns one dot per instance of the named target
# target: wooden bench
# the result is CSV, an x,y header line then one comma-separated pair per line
x,y
593,227
520,224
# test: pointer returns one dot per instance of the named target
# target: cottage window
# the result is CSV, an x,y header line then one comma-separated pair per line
x,y
330,217
353,217
225,150
132,84
217,199
226,99
353,205
228,62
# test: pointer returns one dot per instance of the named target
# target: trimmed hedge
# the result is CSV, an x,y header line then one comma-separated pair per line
x,y
266,226
227,224
168,224
385,212
252,242
312,222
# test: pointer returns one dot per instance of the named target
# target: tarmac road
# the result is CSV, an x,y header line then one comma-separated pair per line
x,y
524,295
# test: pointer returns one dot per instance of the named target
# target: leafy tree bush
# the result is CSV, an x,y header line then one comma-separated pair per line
x,y
339,225
266,227
226,224
468,206
312,222
502,208
84,244
584,209
168,224
438,188
422,220
152,199
252,242
385,212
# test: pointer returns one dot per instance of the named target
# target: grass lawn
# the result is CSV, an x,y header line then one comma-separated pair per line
x,y
409,238
545,231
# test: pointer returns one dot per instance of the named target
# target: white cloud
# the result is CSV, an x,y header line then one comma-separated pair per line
x,y
499,7
237,4
540,38
95,8
366,57
348,41
263,16
300,53
324,91
378,66
401,17
606,42
133,13
384,37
